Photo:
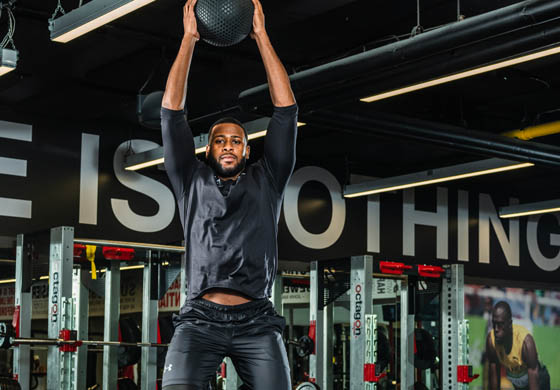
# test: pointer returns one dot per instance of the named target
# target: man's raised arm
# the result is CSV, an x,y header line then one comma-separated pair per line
x,y
176,87
280,141
278,80
178,143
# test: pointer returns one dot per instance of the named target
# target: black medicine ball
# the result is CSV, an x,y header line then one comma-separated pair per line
x,y
224,22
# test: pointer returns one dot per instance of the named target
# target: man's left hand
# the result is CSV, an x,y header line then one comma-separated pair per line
x,y
258,20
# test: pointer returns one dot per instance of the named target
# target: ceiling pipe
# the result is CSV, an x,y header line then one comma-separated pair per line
x,y
453,137
534,131
481,29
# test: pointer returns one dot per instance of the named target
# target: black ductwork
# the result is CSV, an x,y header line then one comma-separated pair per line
x,y
508,31
452,137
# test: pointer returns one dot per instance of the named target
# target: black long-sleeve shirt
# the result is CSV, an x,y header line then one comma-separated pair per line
x,y
231,240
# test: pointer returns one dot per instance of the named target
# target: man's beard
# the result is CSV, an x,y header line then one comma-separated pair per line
x,y
226,172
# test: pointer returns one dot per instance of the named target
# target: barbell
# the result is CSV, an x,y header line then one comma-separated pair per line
x,y
67,340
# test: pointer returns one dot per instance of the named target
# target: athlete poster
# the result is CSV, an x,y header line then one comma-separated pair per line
x,y
534,333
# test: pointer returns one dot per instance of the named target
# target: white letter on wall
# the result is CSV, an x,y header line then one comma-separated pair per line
x,y
413,217
545,263
462,225
149,187
10,207
89,178
373,224
291,197
486,214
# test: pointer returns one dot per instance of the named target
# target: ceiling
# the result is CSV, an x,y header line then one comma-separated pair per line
x,y
97,78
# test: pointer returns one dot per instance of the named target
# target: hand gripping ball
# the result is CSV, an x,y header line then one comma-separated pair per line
x,y
224,22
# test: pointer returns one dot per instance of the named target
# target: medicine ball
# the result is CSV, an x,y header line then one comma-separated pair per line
x,y
224,22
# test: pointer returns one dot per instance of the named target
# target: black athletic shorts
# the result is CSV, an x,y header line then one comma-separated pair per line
x,y
206,332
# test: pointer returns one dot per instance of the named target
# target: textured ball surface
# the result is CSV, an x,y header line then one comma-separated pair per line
x,y
224,22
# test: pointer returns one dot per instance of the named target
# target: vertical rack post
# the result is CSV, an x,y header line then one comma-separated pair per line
x,y
361,304
407,340
452,317
328,331
316,320
60,365
80,293
149,322
22,369
111,330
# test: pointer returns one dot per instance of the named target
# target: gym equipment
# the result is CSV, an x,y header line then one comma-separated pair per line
x,y
126,384
165,333
425,356
66,342
307,386
224,22
304,346
9,384
129,332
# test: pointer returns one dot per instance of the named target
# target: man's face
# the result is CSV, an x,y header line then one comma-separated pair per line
x,y
227,150
501,325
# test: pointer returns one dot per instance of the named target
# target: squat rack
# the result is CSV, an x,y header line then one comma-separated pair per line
x,y
68,307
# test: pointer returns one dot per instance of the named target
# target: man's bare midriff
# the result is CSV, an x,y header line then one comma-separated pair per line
x,y
223,296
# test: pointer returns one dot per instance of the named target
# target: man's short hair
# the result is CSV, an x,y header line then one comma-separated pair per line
x,y
505,307
227,119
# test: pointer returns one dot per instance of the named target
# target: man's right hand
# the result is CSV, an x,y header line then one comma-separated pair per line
x,y
189,20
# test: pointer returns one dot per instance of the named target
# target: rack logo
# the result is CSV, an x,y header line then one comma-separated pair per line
x,y
357,326
54,299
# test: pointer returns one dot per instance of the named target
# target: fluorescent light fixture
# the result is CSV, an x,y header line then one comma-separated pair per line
x,y
155,156
520,210
462,75
8,60
7,281
90,16
432,176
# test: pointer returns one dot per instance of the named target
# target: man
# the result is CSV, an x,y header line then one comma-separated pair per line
x,y
513,347
229,214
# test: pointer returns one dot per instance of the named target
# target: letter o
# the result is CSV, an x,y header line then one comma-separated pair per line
x,y
290,206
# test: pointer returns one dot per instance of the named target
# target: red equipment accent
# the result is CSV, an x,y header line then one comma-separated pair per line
x,y
430,271
465,374
312,334
15,319
69,335
223,370
369,373
79,250
390,267
113,253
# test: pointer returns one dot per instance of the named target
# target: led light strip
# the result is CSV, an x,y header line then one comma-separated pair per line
x,y
462,171
90,16
520,210
462,75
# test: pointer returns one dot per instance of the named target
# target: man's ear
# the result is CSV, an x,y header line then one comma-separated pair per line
x,y
247,152
207,150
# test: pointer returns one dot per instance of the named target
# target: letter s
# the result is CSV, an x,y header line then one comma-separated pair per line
x,y
149,187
